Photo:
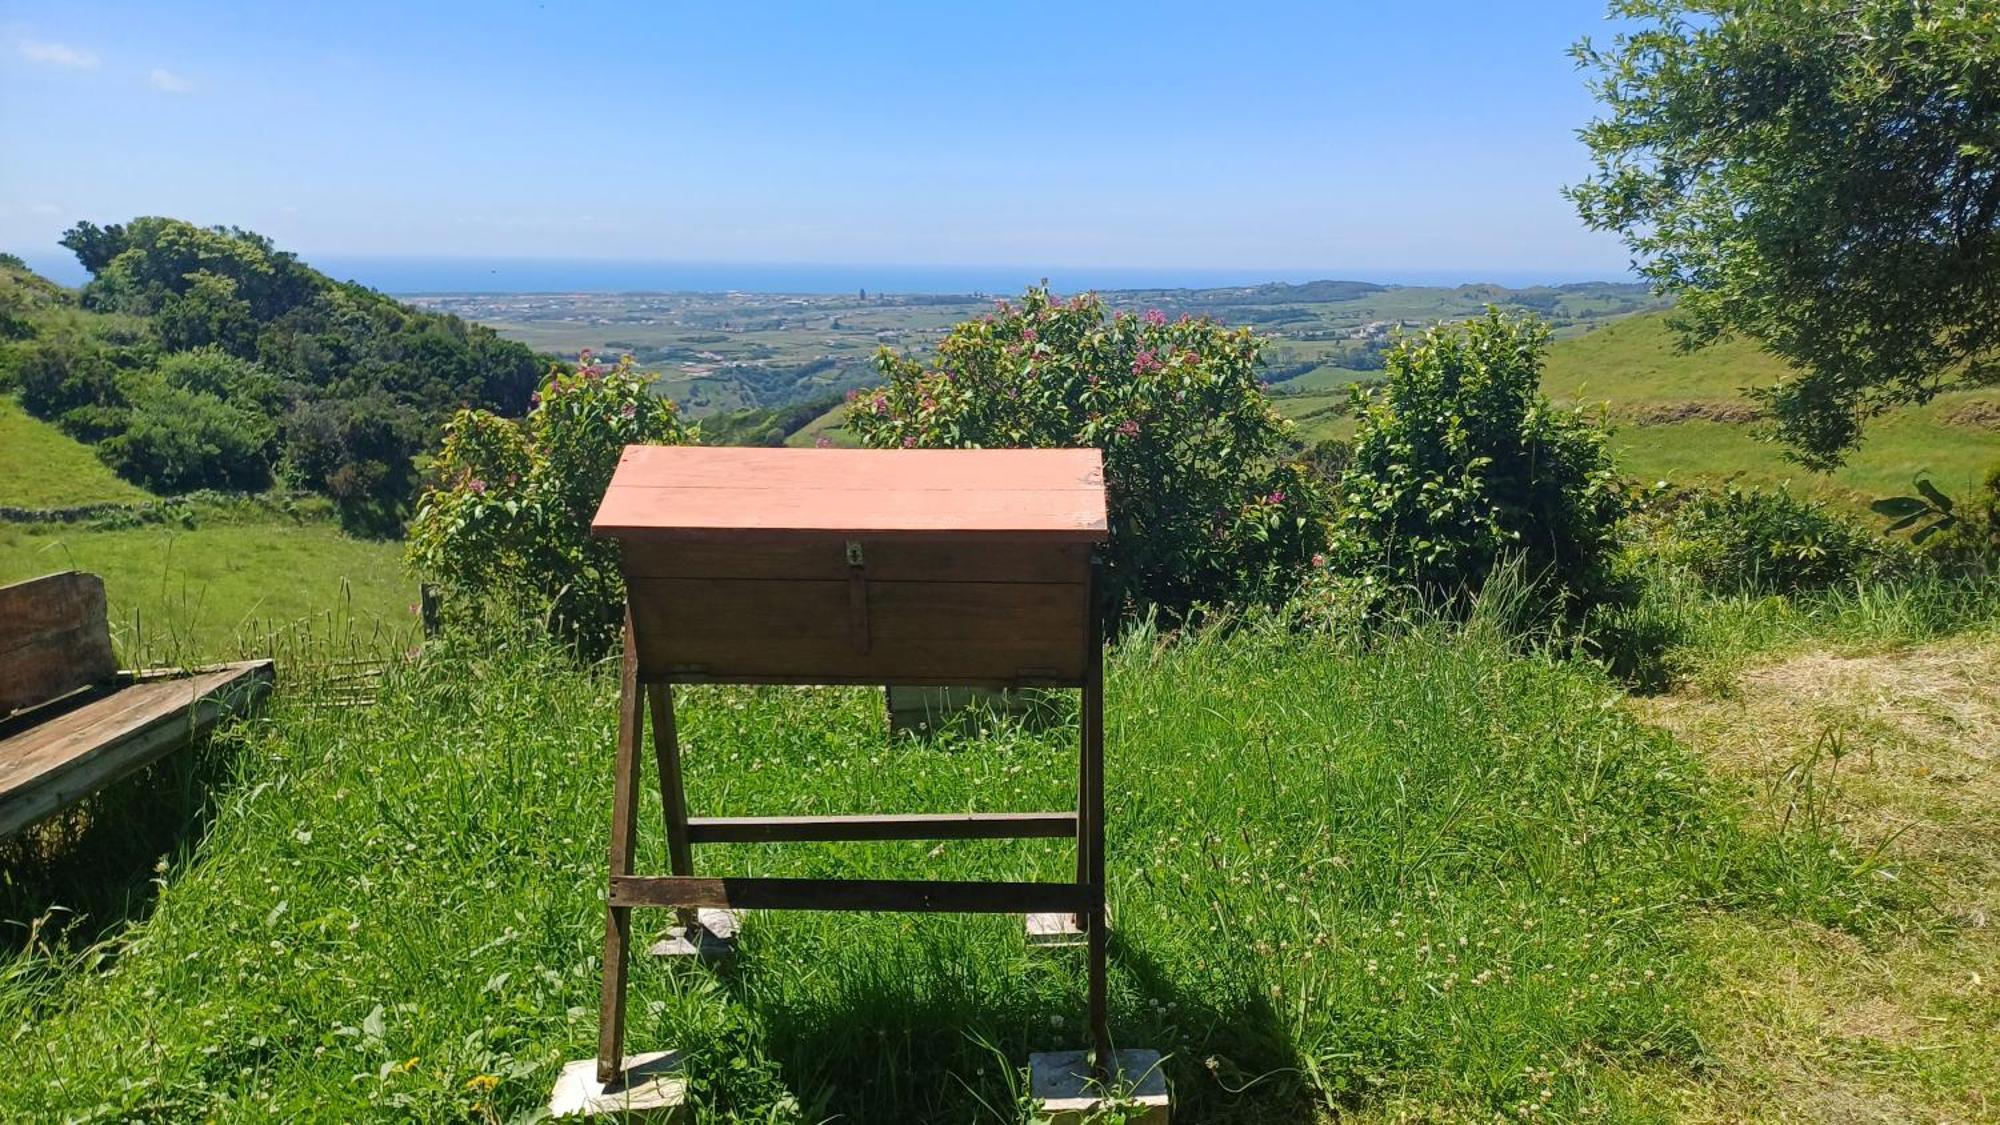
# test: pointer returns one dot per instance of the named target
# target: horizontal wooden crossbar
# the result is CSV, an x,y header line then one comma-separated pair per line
x,y
934,896
913,826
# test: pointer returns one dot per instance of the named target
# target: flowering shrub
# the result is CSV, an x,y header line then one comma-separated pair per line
x,y
506,521
1206,504
1459,463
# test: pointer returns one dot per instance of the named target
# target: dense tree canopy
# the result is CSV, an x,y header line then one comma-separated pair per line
x,y
206,357
1820,175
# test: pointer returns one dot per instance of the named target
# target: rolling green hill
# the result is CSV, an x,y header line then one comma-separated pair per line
x,y
1682,417
42,467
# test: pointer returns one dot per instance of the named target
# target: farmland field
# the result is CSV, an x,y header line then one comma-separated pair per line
x,y
731,351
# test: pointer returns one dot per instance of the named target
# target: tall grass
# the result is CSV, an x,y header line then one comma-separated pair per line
x,y
1680,631
1430,873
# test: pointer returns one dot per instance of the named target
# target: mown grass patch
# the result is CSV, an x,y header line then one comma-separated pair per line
x,y
1432,876
1886,736
42,467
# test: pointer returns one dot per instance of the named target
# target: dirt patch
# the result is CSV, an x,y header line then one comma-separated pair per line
x,y
1731,410
1981,415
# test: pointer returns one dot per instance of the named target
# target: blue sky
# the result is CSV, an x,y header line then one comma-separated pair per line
x,y
1353,138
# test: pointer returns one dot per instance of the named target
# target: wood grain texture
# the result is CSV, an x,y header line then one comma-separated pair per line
x,y
57,762
931,896
677,492
823,556
54,639
919,632
891,826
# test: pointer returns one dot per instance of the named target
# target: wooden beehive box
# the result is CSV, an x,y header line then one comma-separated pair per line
x,y
858,566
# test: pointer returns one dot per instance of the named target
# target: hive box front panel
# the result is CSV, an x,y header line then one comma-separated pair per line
x,y
833,609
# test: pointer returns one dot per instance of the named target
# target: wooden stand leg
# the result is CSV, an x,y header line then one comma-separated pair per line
x,y
673,798
624,838
1091,806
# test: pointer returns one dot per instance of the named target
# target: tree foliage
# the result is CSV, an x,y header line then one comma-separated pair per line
x,y
348,385
1820,175
1207,504
1460,463
506,521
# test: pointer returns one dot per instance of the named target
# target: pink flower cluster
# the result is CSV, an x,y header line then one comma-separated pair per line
x,y
1146,362
1156,318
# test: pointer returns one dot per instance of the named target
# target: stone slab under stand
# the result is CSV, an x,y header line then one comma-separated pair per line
x,y
1070,1094
653,1087
1058,930
711,938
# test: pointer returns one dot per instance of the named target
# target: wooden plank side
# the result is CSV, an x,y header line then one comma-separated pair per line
x,y
891,826
849,894
50,766
924,632
54,638
885,560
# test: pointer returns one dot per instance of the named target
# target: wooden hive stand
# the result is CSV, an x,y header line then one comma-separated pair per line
x,y
829,566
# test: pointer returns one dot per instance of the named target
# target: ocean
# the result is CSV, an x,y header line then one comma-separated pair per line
x,y
419,275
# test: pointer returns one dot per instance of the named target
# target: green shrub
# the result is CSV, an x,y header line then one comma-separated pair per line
x,y
1206,505
1767,541
177,440
1459,463
214,371
66,369
506,524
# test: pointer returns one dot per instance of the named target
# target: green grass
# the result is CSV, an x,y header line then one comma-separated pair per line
x,y
220,589
1630,369
1897,450
1634,360
1432,877
42,467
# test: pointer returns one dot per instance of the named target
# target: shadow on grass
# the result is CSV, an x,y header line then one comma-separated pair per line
x,y
81,875
877,1052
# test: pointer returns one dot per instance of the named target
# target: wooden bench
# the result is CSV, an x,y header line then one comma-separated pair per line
x,y
71,723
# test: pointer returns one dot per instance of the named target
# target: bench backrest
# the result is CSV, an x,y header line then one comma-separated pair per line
x,y
54,639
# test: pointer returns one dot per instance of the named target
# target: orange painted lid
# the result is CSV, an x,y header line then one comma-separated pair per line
x,y
679,491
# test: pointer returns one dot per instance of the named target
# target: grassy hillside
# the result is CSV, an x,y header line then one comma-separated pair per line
x,y
222,589
1682,417
1634,360
42,467
1445,883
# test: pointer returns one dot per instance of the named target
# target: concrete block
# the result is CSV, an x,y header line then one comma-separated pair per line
x,y
1069,1094
1058,930
1054,930
652,1087
712,938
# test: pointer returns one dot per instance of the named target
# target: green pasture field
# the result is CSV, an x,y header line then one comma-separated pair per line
x,y
224,589
1630,371
42,467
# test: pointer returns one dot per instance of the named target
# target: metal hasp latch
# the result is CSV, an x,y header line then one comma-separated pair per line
x,y
857,596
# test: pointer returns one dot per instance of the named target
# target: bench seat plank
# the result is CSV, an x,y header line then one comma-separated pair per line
x,y
57,762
